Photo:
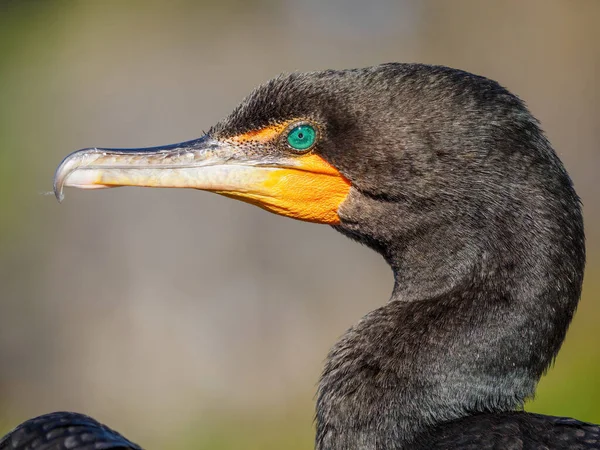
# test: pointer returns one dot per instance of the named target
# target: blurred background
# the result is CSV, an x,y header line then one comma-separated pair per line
x,y
188,320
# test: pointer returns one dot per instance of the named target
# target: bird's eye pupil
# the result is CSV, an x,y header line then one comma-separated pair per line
x,y
302,137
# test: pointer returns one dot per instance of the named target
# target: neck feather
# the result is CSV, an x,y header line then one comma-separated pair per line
x,y
475,318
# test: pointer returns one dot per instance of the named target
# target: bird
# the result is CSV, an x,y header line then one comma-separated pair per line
x,y
450,178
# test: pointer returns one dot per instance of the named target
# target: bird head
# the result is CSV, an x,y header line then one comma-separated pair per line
x,y
386,154
304,145
272,151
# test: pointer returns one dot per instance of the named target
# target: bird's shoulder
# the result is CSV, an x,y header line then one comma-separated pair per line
x,y
512,431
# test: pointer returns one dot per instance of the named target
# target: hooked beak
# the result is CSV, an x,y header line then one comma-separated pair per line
x,y
305,187
201,164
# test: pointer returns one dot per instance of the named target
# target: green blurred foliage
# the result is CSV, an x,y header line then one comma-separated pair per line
x,y
28,38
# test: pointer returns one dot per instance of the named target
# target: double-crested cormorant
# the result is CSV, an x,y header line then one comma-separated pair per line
x,y
449,177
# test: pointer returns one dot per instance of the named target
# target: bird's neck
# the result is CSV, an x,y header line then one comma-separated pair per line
x,y
470,328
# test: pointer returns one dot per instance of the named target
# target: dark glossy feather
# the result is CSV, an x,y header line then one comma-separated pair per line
x,y
511,431
64,431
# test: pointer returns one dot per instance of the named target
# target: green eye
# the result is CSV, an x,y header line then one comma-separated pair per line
x,y
302,137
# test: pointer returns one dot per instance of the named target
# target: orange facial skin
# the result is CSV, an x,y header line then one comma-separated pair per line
x,y
311,189
263,135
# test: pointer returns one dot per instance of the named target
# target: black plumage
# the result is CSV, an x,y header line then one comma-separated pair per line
x,y
511,431
454,183
65,431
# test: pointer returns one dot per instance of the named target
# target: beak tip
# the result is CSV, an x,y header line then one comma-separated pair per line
x,y
58,188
